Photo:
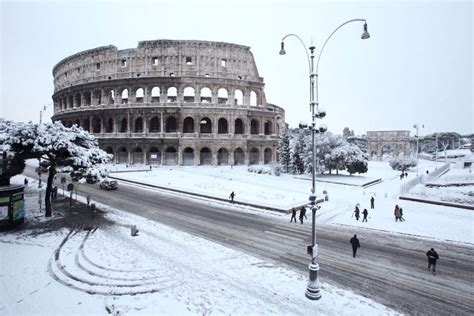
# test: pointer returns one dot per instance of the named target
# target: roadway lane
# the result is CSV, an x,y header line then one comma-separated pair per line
x,y
391,269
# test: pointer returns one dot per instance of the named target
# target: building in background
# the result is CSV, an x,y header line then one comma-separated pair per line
x,y
388,143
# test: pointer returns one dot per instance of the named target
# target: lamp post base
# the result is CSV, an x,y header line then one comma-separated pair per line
x,y
313,290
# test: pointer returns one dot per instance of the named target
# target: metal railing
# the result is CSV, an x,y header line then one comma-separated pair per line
x,y
406,187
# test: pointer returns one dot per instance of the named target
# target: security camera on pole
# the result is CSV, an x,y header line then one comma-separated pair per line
x,y
313,289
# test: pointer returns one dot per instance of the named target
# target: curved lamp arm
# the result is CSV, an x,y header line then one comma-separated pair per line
x,y
304,47
322,49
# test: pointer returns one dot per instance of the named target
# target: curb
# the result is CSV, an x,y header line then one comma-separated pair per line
x,y
205,196
468,207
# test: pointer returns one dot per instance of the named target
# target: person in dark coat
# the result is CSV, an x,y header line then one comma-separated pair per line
x,y
396,212
357,212
432,257
372,203
302,214
365,212
293,215
401,215
355,244
231,196
26,181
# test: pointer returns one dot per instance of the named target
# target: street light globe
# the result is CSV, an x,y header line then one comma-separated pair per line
x,y
365,34
282,50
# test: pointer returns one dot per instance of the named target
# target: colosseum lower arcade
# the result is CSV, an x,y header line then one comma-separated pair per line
x,y
170,102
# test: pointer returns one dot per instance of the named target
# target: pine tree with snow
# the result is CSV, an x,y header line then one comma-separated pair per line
x,y
298,152
59,147
283,150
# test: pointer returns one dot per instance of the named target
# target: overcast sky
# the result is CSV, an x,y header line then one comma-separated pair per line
x,y
416,67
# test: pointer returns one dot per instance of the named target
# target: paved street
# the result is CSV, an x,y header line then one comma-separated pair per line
x,y
391,269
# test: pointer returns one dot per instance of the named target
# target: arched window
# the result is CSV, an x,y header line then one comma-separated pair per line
x,y
188,94
239,156
254,124
238,97
123,125
253,98
172,94
171,156
222,96
70,103
96,128
86,124
268,128
239,127
188,125
206,125
222,157
254,156
77,100
137,155
154,156
155,125
170,125
155,94
267,156
139,95
124,96
206,95
205,156
97,97
109,128
222,126
188,156
87,98
122,155
138,125
111,96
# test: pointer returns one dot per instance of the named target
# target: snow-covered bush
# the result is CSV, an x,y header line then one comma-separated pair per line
x,y
265,169
402,163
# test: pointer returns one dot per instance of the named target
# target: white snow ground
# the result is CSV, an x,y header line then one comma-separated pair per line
x,y
160,272
285,191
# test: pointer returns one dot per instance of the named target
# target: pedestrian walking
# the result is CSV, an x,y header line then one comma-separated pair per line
x,y
432,257
401,215
365,212
396,212
372,202
357,212
406,174
25,181
88,198
355,244
231,196
401,176
293,215
54,194
302,214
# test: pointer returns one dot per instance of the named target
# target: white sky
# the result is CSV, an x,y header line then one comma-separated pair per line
x,y
416,67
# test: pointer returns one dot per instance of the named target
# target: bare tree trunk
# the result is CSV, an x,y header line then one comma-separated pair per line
x,y
49,187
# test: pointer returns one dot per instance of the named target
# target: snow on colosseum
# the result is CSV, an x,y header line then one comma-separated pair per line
x,y
170,102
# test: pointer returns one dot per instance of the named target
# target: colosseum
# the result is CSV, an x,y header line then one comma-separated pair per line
x,y
170,102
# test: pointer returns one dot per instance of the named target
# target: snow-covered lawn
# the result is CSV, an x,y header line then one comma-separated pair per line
x,y
160,272
285,191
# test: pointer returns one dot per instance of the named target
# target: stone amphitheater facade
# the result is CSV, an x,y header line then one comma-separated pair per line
x,y
170,102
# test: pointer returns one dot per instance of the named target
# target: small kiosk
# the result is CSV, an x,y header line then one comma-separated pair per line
x,y
12,205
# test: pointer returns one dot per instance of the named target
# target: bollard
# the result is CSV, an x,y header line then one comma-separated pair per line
x,y
326,197
133,230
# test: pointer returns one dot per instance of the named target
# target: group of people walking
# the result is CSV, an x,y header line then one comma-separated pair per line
x,y
365,213
398,212
302,214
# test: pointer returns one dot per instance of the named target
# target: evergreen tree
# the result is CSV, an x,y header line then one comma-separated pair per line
x,y
283,150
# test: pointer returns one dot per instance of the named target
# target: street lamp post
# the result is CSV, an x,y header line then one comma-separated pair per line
x,y
313,289
416,126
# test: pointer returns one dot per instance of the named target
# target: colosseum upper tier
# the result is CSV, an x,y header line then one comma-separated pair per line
x,y
170,102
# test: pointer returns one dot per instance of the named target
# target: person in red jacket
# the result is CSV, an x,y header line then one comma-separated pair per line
x,y
432,257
